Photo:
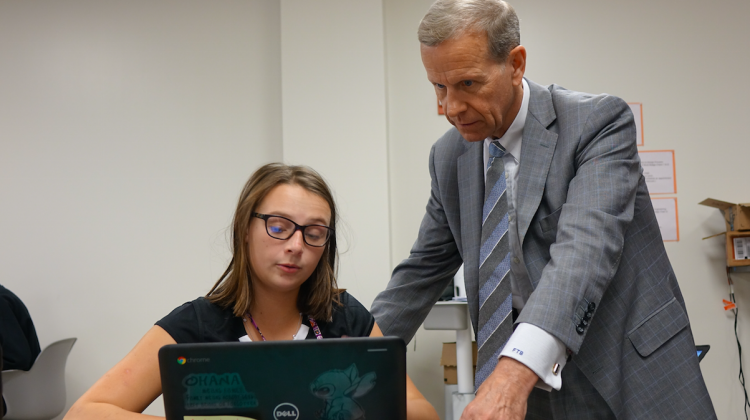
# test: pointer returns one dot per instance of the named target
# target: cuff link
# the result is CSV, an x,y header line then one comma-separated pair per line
x,y
556,369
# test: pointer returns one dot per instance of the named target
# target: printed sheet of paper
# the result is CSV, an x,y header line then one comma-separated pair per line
x,y
637,109
666,217
659,170
742,248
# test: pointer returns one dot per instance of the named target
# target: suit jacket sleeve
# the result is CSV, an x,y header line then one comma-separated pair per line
x,y
418,281
597,211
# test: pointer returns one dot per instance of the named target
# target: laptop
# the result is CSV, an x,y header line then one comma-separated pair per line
x,y
342,379
702,350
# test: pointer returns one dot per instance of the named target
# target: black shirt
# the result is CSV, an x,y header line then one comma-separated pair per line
x,y
17,333
201,321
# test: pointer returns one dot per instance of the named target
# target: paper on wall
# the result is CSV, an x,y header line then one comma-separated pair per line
x,y
742,248
637,109
659,171
666,216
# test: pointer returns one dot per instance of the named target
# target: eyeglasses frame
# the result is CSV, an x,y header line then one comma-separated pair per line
x,y
297,227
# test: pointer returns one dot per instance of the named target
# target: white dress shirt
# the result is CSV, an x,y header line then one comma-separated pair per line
x,y
539,350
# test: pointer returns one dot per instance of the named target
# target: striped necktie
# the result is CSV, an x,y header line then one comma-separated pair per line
x,y
495,297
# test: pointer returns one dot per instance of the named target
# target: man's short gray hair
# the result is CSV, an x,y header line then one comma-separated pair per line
x,y
448,19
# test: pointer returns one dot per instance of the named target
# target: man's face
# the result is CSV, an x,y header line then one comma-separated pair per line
x,y
480,96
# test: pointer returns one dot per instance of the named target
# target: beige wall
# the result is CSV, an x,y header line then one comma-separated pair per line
x,y
333,90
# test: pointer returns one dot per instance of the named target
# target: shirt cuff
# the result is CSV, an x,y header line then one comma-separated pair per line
x,y
540,351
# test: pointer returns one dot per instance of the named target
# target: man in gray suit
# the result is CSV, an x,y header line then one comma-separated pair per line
x,y
539,192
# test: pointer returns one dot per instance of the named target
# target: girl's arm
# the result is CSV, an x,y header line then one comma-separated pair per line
x,y
417,407
129,387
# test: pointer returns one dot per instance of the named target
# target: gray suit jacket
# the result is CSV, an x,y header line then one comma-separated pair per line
x,y
590,243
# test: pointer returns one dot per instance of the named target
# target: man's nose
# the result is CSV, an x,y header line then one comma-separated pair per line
x,y
453,104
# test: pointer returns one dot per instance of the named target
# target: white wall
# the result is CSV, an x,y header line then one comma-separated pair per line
x,y
686,62
413,126
127,130
333,90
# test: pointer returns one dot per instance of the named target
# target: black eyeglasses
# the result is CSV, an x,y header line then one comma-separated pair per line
x,y
281,228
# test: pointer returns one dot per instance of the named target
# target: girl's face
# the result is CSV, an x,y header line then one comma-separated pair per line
x,y
283,265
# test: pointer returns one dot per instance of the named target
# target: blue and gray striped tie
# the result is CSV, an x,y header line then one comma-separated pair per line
x,y
495,297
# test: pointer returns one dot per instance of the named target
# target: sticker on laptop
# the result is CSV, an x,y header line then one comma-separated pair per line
x,y
212,391
339,388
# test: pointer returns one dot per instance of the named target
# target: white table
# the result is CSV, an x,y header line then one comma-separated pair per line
x,y
454,315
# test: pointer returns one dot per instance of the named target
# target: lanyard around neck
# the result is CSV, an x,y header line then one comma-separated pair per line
x,y
313,324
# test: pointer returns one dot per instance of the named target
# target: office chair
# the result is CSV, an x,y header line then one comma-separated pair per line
x,y
38,394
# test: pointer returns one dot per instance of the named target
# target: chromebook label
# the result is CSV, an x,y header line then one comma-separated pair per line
x,y
211,390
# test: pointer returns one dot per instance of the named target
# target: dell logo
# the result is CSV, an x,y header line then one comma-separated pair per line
x,y
286,411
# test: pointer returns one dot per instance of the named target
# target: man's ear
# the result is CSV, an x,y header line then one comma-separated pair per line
x,y
517,61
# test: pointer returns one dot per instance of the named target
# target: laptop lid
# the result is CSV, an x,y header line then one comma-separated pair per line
x,y
702,350
338,379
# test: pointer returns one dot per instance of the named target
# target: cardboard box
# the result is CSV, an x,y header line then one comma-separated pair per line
x,y
736,216
737,220
448,360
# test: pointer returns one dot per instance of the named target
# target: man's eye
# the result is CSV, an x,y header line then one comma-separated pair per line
x,y
468,82
439,86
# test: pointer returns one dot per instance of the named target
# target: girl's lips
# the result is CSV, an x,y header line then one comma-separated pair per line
x,y
288,268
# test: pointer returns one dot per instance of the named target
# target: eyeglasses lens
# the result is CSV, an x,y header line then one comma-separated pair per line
x,y
281,228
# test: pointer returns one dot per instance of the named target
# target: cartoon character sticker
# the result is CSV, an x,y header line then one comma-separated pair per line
x,y
339,388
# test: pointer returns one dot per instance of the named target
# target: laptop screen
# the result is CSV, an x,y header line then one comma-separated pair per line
x,y
343,379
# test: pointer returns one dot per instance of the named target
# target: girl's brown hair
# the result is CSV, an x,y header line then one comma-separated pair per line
x,y
234,288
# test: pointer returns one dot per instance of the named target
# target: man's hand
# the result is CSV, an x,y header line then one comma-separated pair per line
x,y
504,394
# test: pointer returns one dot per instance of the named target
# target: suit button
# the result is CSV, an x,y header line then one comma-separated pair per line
x,y
579,330
587,316
515,260
584,322
592,306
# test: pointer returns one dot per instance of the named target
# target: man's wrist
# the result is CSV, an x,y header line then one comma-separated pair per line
x,y
540,351
515,378
526,377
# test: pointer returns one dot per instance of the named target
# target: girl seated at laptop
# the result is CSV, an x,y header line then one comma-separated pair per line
x,y
280,285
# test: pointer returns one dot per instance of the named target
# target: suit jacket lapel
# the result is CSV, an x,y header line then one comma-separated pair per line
x,y
537,148
471,199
